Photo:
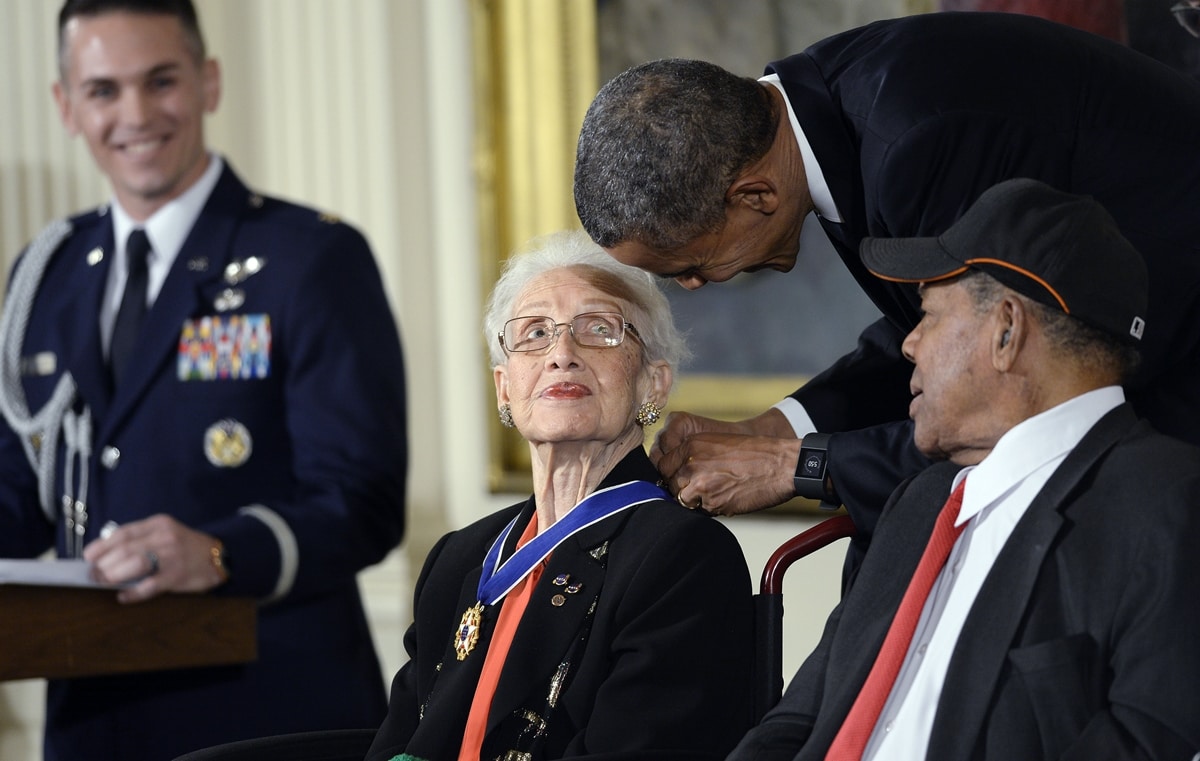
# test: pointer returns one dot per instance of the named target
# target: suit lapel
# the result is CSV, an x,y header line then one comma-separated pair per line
x,y
990,628
872,603
439,734
197,269
825,130
554,618
835,147
86,361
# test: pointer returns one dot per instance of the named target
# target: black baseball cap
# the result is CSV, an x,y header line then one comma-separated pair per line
x,y
1057,248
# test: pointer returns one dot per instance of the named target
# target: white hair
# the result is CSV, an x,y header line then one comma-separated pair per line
x,y
573,249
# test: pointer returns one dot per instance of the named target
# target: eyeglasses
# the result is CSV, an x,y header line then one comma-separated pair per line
x,y
1187,13
601,330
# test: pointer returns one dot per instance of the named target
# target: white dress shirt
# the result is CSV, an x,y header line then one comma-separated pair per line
x,y
825,207
998,492
166,230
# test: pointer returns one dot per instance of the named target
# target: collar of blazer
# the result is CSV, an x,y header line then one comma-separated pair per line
x,y
1008,588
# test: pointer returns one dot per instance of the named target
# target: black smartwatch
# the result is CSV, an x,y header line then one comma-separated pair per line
x,y
812,480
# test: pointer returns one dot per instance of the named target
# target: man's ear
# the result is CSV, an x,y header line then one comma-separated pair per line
x,y
62,99
754,192
211,76
1009,331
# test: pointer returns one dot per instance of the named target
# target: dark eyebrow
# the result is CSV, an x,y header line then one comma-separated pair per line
x,y
162,68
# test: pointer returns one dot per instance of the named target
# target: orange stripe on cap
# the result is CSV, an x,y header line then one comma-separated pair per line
x,y
1026,273
948,275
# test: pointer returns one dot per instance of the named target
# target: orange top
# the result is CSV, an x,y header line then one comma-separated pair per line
x,y
511,611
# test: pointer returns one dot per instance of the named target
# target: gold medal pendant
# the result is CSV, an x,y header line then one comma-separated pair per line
x,y
468,631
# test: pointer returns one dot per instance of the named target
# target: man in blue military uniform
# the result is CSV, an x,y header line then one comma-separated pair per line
x,y
203,390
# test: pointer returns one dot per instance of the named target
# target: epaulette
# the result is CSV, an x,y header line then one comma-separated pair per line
x,y
89,218
295,213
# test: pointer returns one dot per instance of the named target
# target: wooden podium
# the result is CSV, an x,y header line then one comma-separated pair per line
x,y
54,632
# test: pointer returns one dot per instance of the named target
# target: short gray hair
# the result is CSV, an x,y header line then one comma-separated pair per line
x,y
1086,344
655,324
661,144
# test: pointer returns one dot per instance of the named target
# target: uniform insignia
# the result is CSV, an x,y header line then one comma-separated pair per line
x,y
227,443
229,299
95,256
225,347
40,364
255,201
329,219
468,631
239,270
198,264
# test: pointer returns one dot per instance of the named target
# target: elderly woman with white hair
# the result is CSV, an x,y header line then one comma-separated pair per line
x,y
598,618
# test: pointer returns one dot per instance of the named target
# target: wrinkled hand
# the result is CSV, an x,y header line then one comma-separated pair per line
x,y
130,552
726,468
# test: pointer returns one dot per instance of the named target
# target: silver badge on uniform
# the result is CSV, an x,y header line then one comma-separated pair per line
x,y
227,443
229,299
239,270
42,363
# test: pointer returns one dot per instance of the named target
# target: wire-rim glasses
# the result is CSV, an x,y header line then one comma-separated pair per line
x,y
598,330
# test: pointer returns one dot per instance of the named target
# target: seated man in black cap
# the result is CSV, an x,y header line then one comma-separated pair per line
x,y
1048,609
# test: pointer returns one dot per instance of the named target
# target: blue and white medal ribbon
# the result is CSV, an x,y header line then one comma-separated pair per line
x,y
498,579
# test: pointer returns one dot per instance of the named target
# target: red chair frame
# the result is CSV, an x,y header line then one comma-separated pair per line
x,y
769,604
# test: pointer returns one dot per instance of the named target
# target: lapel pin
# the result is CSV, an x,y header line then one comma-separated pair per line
x,y
95,256
228,299
241,269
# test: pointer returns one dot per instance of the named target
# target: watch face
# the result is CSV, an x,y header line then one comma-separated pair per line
x,y
812,463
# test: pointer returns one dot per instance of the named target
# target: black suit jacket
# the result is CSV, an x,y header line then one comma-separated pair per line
x,y
1083,640
912,119
664,672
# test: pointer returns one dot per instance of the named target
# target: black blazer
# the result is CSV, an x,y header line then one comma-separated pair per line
x,y
1084,641
660,669
912,119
